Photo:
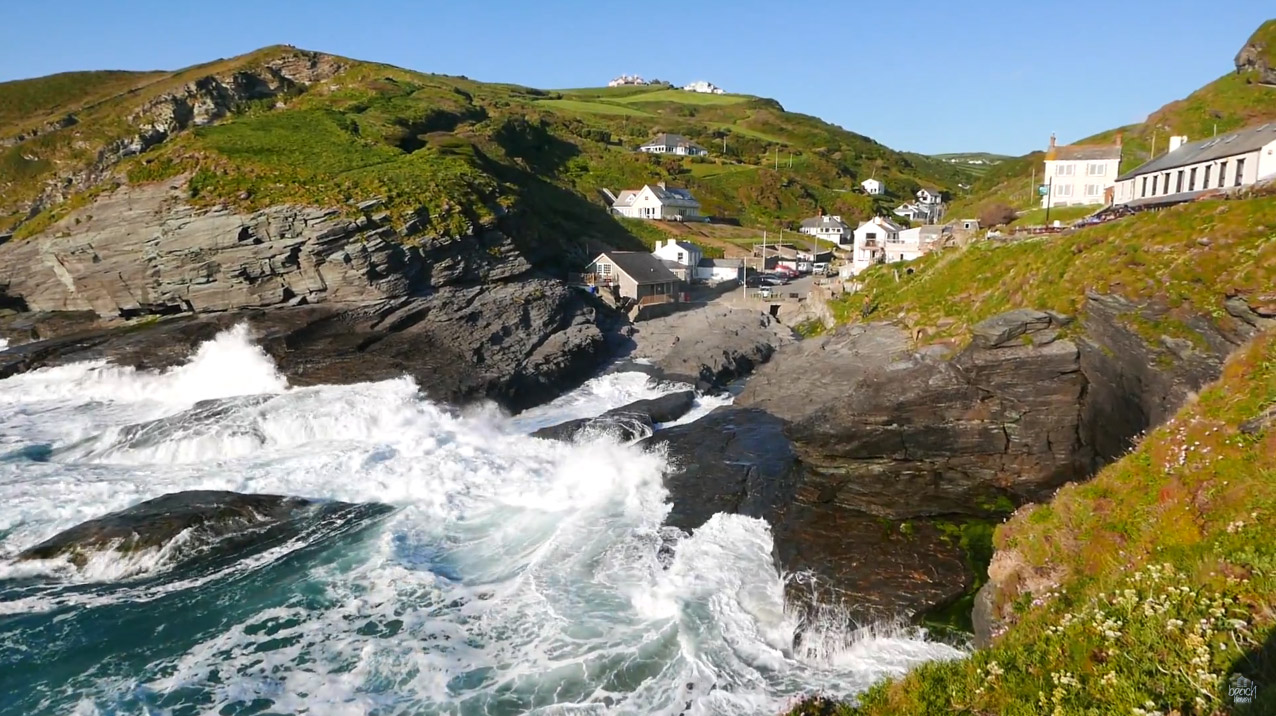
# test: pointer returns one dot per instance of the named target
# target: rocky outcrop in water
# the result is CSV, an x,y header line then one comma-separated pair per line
x,y
627,422
204,519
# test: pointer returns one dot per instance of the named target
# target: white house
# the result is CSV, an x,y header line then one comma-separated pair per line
x,y
871,238
1080,174
682,253
704,87
718,270
665,143
656,202
872,186
829,228
909,244
1228,161
625,80
928,209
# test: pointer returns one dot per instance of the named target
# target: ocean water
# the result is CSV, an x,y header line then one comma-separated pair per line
x,y
515,575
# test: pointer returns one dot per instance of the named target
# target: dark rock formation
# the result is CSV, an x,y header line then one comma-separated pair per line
x,y
903,434
225,521
708,346
1256,55
739,461
628,421
519,343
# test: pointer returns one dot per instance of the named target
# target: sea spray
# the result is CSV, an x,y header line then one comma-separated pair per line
x,y
516,575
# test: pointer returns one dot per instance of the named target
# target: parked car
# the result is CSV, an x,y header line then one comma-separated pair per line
x,y
774,280
753,280
764,292
820,268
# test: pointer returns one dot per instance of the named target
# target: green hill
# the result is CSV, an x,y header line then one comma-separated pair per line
x,y
447,151
1235,100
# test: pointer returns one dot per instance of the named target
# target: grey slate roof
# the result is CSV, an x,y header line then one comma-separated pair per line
x,y
665,139
672,197
1221,147
642,267
1087,152
721,263
824,222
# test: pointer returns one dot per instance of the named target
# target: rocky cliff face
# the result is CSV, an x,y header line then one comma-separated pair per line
x,y
890,439
196,103
1256,55
143,250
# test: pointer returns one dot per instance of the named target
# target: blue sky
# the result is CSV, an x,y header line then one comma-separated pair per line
x,y
927,76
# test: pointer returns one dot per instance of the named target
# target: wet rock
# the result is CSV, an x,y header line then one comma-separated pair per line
x,y
710,346
518,343
627,422
225,520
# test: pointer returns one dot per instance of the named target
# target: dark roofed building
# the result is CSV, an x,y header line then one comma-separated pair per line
x,y
638,275
1193,169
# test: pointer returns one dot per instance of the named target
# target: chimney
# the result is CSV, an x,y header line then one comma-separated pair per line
x,y
1176,142
1052,140
1120,138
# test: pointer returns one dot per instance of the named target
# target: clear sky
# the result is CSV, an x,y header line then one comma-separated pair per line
x,y
928,75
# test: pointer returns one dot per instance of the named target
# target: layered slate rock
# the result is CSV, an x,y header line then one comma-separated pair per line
x,y
205,519
739,461
627,422
901,434
708,346
518,343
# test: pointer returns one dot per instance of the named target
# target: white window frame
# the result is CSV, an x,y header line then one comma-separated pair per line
x,y
1063,190
1093,189
1096,169
1065,170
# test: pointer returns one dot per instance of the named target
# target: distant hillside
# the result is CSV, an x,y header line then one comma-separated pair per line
x,y
1235,100
283,125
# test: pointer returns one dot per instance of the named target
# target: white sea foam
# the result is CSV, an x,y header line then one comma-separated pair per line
x,y
517,574
4,344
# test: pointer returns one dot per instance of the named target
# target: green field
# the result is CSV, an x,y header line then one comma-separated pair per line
x,y
575,105
682,97
1064,214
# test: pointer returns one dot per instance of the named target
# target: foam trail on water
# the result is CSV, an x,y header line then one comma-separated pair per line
x,y
517,576
4,344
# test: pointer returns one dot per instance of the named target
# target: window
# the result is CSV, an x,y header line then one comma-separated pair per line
x,y
682,258
1205,183
1064,170
1178,187
1240,172
1096,169
1154,185
1145,187
1222,174
1063,190
1166,185
1093,189
604,269
1191,180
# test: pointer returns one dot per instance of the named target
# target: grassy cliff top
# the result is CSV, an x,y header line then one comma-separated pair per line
x,y
1187,259
1154,582
446,150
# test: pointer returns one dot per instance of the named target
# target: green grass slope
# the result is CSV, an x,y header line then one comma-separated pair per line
x,y
1147,257
1159,578
449,152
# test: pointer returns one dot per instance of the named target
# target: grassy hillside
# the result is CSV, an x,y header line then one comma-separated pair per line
x,y
448,153
1231,102
1158,577
1151,256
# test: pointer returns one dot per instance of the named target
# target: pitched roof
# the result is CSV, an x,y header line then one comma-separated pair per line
x,y
882,222
1227,145
824,222
642,267
1087,152
721,263
673,197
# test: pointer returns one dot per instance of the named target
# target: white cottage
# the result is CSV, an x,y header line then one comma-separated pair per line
x,y
656,202
829,228
682,253
909,244
871,239
1080,174
872,186
1190,169
676,144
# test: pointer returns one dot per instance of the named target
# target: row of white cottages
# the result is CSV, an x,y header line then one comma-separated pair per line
x,y
1080,175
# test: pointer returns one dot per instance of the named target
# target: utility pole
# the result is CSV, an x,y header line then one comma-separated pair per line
x,y
777,157
1049,198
